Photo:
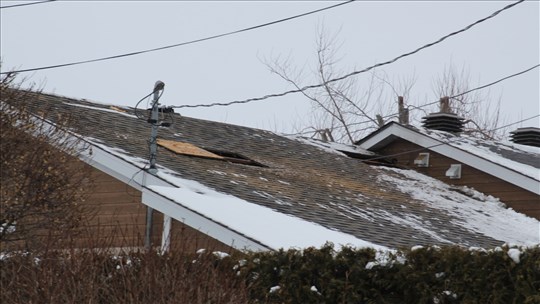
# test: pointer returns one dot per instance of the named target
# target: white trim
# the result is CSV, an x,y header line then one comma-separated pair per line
x,y
395,130
131,174
119,168
199,222
125,171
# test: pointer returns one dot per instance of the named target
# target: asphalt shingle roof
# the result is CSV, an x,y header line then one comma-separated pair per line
x,y
330,189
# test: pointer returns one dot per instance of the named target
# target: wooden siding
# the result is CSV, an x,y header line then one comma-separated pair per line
x,y
120,219
513,196
116,218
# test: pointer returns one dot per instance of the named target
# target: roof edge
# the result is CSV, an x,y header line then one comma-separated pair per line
x,y
390,131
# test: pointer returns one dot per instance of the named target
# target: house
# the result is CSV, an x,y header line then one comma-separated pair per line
x,y
252,189
507,170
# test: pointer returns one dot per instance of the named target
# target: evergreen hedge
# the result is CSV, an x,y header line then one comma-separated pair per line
x,y
422,275
325,275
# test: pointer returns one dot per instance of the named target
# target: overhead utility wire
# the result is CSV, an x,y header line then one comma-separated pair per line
x,y
182,43
463,93
435,102
448,142
355,72
25,4
502,79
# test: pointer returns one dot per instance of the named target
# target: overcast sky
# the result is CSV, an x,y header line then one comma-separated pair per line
x,y
230,68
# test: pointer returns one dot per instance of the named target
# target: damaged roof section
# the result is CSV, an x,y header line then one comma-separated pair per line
x,y
303,180
192,150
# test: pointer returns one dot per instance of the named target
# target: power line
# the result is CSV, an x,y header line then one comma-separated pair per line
x,y
495,82
463,93
355,72
435,102
25,4
182,43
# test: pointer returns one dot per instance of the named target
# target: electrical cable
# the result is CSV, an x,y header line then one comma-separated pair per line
x,y
495,82
136,110
25,4
454,96
182,43
355,72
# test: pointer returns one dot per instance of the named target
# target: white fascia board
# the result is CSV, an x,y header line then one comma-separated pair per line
x,y
199,222
129,173
494,169
119,168
133,175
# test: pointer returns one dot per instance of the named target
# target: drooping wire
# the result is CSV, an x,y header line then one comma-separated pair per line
x,y
355,72
495,82
25,4
435,102
462,93
136,110
181,43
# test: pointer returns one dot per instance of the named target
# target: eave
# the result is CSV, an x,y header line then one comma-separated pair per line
x,y
390,132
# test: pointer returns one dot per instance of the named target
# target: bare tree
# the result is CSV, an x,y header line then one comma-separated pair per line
x,y
341,110
344,110
42,187
481,111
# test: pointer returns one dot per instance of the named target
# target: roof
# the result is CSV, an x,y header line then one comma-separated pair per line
x,y
514,163
300,193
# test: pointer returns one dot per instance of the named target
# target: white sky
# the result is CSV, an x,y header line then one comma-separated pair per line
x,y
230,68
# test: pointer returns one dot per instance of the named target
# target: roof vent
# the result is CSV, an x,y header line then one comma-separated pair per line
x,y
445,120
448,122
526,136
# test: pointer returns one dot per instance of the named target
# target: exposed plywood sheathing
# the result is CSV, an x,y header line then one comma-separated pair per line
x,y
186,149
117,109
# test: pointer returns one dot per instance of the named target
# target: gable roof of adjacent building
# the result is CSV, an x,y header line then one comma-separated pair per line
x,y
514,163
267,191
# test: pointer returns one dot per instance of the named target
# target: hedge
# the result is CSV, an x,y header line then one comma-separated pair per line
x,y
420,275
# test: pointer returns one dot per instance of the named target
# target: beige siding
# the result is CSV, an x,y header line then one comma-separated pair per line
x,y
116,217
120,219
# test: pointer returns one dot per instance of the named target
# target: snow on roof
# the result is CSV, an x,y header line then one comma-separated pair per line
x,y
279,230
272,228
336,200
331,147
520,158
110,110
490,218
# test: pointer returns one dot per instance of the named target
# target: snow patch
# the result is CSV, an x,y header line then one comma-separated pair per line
x,y
481,148
220,255
272,228
514,254
486,216
100,109
332,147
274,289
8,228
417,247
216,172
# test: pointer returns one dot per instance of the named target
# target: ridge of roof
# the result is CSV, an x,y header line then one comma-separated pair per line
x,y
302,181
520,159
